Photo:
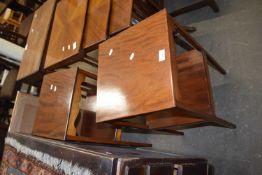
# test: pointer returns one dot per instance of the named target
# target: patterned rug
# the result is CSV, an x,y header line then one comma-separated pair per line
x,y
17,163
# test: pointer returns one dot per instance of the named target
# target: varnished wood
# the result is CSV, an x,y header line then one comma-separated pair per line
x,y
120,17
128,87
37,40
147,78
191,42
123,12
65,112
67,31
54,105
96,26
24,113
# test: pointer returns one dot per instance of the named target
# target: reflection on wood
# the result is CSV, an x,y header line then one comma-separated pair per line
x,y
67,31
96,23
37,40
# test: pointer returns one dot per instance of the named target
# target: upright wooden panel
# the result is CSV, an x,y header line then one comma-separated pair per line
x,y
194,82
96,22
67,31
128,12
121,15
24,113
135,73
196,95
54,104
37,38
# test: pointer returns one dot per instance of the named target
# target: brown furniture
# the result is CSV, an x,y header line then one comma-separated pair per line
x,y
203,3
140,74
24,112
67,32
96,25
67,110
129,12
37,41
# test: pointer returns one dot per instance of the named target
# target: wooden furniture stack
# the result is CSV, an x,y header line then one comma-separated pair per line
x,y
142,84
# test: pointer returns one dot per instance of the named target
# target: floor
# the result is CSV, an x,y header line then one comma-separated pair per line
x,y
233,37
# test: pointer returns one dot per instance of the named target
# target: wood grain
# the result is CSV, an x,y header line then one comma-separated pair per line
x,y
24,113
195,91
54,106
141,85
96,26
121,15
37,40
67,31
124,12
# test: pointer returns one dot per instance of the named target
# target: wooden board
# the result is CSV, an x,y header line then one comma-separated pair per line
x,y
37,40
96,23
54,104
121,15
24,113
194,82
67,31
126,13
196,94
132,78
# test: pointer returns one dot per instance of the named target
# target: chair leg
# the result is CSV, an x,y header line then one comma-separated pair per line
x,y
189,8
189,29
222,123
171,131
213,5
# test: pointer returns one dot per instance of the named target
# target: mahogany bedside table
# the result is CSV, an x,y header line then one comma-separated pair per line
x,y
140,74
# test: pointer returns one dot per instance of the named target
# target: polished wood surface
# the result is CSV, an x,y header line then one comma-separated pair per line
x,y
146,78
137,80
54,104
87,126
126,13
67,111
121,15
67,31
24,113
96,27
37,40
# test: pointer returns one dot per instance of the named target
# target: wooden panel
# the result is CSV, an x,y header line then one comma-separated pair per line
x,y
54,104
37,38
96,22
80,78
135,74
121,15
126,13
24,113
170,118
194,83
67,31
